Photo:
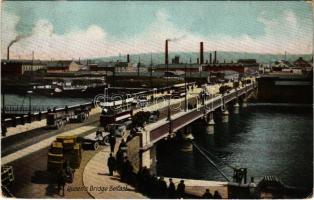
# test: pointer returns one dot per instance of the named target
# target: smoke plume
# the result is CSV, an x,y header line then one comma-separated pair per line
x,y
17,38
176,39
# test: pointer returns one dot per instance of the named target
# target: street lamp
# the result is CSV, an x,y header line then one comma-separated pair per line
x,y
186,91
169,111
30,100
3,103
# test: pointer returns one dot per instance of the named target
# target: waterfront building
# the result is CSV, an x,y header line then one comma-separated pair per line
x,y
303,64
19,67
243,66
178,67
62,66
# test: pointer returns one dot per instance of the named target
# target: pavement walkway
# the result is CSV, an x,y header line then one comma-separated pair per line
x,y
100,185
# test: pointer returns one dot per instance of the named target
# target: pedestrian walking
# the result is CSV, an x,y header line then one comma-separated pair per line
x,y
112,141
154,186
162,188
146,179
61,181
119,161
217,195
207,195
111,163
157,113
171,190
123,145
181,189
127,169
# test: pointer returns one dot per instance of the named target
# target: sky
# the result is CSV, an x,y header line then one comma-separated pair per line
x,y
86,29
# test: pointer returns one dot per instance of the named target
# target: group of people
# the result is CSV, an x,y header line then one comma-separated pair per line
x,y
143,180
208,195
120,163
149,184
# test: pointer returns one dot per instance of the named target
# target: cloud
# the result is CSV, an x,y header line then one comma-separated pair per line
x,y
94,41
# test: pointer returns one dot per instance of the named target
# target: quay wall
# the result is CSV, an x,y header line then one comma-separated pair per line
x,y
134,152
285,90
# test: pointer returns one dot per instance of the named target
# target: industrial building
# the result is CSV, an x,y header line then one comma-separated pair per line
x,y
20,67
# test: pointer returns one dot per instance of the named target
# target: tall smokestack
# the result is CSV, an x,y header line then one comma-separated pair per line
x,y
8,53
128,58
166,53
201,53
210,58
215,57
198,61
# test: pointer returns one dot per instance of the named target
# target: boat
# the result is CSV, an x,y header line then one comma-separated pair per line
x,y
58,90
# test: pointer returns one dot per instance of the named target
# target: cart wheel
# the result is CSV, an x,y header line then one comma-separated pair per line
x,y
96,146
106,140
58,125
82,118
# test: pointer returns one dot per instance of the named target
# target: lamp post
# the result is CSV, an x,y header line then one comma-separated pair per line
x,y
151,70
29,92
186,90
3,103
169,111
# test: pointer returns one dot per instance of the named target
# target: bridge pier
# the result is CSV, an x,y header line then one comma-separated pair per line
x,y
187,139
148,159
147,152
210,123
244,102
236,107
225,114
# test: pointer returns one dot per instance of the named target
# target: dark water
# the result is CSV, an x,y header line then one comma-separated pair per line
x,y
267,139
13,99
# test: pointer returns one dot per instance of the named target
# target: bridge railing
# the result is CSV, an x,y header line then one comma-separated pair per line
x,y
18,109
22,118
177,123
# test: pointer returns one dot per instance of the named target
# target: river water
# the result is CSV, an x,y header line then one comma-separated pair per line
x,y
268,139
46,101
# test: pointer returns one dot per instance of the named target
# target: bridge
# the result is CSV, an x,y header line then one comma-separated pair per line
x,y
166,127
159,130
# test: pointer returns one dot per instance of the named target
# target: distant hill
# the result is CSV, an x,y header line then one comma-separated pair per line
x,y
158,58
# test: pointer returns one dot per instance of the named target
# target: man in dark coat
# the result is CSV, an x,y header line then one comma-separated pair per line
x,y
162,188
181,189
61,181
111,164
171,190
207,195
112,141
217,195
153,186
123,145
127,170
146,179
119,161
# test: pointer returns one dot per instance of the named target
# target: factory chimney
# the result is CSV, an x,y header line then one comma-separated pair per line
x,y
198,61
201,53
215,57
128,58
166,52
8,53
210,58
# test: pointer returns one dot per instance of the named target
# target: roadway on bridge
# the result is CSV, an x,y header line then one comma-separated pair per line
x,y
19,141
